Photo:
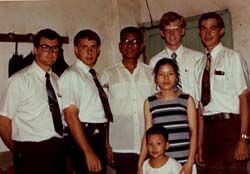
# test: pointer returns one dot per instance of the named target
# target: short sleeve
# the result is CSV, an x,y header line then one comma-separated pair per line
x,y
240,74
69,89
11,97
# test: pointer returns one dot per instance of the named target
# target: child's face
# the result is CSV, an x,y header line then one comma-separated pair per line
x,y
166,77
156,145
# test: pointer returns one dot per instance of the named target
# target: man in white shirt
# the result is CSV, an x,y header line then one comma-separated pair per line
x,y
128,84
30,125
223,144
83,109
172,29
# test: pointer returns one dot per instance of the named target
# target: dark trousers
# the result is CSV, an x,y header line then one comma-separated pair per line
x,y
126,163
95,134
220,140
39,157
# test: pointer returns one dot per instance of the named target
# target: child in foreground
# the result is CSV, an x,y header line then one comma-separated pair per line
x,y
159,162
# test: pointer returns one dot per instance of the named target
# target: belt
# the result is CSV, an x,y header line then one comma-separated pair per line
x,y
94,127
44,143
221,116
94,124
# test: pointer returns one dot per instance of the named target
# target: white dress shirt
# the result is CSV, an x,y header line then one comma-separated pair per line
x,y
78,88
127,93
228,79
186,59
25,102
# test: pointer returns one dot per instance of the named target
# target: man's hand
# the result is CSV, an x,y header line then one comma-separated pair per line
x,y
110,156
6,131
199,158
93,162
241,150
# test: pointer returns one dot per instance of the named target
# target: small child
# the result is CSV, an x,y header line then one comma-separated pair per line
x,y
159,162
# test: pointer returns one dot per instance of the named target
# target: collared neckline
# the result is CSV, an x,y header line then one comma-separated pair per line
x,y
215,50
122,66
82,66
178,52
41,73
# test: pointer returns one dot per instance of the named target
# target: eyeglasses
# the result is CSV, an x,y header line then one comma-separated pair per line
x,y
47,48
133,42
211,29
174,29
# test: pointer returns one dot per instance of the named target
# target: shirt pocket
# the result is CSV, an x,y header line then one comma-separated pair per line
x,y
118,91
221,82
118,96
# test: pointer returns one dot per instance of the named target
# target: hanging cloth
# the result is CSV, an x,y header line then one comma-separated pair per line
x,y
15,62
60,65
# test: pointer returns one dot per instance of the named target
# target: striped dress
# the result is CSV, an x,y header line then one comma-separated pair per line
x,y
172,114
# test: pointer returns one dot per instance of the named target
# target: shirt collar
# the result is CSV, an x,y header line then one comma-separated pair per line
x,y
216,50
41,73
121,65
178,51
85,68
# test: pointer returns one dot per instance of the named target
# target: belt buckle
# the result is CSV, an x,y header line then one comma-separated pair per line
x,y
226,116
96,131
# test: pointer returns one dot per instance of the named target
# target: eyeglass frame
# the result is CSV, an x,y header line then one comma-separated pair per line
x,y
211,29
133,42
47,48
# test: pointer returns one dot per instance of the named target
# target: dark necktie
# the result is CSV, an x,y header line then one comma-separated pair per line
x,y
103,97
205,88
53,106
173,56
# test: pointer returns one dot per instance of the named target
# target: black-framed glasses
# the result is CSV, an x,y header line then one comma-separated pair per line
x,y
47,48
211,29
131,42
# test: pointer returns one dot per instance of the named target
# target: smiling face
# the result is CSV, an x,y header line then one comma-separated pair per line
x,y
46,53
210,33
156,145
87,51
166,78
172,34
130,46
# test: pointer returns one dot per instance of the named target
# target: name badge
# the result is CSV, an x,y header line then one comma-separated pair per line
x,y
217,72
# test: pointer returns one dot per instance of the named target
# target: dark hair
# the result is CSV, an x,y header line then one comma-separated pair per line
x,y
47,33
169,17
165,61
212,15
157,130
135,30
87,34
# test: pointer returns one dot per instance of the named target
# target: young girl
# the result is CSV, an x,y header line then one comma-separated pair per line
x,y
159,162
174,110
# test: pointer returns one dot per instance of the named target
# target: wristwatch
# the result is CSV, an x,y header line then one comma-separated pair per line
x,y
244,137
